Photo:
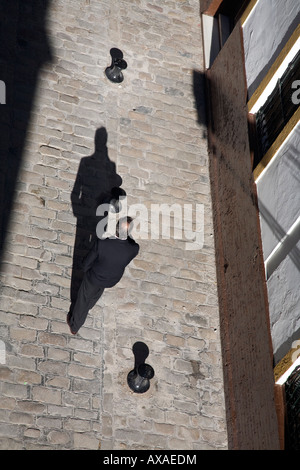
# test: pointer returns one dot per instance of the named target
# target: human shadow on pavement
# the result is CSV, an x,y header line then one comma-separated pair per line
x,y
96,183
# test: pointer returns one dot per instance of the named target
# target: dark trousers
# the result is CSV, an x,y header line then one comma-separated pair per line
x,y
88,295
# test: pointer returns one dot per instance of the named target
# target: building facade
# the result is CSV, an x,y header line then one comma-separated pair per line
x,y
60,391
268,67
176,135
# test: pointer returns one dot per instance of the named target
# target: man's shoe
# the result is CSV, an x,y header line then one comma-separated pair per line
x,y
68,321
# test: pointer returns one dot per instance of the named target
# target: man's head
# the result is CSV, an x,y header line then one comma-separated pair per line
x,y
124,227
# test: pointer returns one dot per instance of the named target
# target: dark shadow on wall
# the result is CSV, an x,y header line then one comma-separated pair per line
x,y
24,48
200,95
97,182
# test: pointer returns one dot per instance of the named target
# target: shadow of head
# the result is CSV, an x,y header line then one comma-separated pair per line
x,y
100,139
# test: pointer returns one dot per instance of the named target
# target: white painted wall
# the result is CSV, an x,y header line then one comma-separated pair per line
x,y
279,202
266,31
279,192
210,39
284,304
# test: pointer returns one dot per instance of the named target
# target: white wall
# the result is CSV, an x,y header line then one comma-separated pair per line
x,y
279,192
266,31
279,203
284,304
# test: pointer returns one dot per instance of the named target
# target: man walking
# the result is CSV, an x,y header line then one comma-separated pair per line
x,y
103,267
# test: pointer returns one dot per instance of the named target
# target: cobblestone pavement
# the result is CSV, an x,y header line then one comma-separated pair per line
x,y
60,391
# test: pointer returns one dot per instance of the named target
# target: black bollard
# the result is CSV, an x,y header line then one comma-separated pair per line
x,y
139,378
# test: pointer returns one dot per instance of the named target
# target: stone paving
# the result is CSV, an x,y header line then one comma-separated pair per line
x,y
60,391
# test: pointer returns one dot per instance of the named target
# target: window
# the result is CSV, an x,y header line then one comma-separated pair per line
x,y
279,107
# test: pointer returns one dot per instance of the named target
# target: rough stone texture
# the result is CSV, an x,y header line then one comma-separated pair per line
x,y
64,392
